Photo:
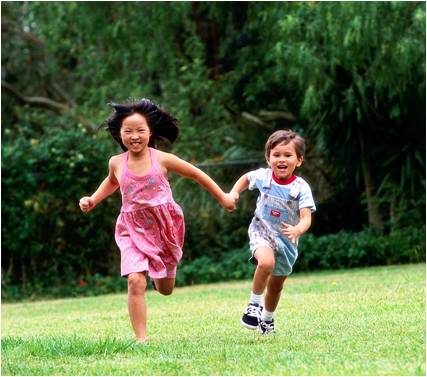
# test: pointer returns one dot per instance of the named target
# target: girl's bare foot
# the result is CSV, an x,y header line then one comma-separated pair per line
x,y
142,340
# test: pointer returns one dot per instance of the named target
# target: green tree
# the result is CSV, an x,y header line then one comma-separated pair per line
x,y
362,90
232,73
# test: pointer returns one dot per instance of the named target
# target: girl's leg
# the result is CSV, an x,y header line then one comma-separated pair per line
x,y
165,286
274,289
265,257
136,304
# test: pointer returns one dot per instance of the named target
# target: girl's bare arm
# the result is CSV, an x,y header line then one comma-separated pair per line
x,y
176,165
105,189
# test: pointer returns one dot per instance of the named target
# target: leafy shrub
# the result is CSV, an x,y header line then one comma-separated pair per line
x,y
232,265
335,251
366,248
46,240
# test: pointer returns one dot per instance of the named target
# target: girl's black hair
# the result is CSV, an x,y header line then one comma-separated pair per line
x,y
160,122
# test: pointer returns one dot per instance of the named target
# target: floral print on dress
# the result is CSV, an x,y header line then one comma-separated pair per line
x,y
150,228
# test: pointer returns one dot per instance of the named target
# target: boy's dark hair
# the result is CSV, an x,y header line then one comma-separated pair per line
x,y
161,124
285,136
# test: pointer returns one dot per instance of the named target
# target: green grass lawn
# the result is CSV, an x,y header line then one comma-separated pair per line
x,y
355,322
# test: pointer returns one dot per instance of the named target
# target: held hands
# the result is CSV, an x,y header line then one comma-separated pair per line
x,y
229,202
292,232
86,204
235,195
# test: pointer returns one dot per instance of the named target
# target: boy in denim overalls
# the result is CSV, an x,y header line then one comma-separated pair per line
x,y
282,215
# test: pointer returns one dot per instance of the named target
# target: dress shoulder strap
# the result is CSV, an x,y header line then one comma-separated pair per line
x,y
125,157
153,156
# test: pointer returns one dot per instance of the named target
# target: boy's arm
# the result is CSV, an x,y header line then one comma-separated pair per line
x,y
305,220
105,189
176,165
241,185
294,232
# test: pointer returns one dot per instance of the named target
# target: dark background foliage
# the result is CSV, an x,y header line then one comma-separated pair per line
x,y
349,76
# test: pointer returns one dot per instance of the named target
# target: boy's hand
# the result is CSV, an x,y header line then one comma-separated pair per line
x,y
292,232
86,204
229,202
235,195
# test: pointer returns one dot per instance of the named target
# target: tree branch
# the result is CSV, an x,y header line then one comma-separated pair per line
x,y
276,115
43,102
254,120
49,104
264,117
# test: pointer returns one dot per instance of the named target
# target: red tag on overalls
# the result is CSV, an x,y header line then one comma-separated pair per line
x,y
274,213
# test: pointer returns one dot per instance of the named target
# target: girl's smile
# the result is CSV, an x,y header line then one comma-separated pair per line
x,y
135,133
150,228
283,160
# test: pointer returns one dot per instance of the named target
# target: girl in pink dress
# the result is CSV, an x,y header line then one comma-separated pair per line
x,y
150,227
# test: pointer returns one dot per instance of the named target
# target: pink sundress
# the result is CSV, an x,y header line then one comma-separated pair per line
x,y
150,228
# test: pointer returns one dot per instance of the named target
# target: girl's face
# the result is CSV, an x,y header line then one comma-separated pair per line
x,y
283,160
135,133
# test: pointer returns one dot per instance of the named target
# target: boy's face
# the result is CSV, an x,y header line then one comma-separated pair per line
x,y
135,133
283,160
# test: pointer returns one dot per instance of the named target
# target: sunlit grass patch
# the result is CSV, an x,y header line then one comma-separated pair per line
x,y
356,322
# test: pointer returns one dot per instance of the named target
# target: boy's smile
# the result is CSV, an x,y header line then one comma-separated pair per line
x,y
283,160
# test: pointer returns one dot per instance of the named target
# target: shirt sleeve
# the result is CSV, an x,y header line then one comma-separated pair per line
x,y
306,197
256,178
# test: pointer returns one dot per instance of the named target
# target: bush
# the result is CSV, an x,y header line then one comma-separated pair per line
x,y
366,248
232,265
47,241
335,251
89,285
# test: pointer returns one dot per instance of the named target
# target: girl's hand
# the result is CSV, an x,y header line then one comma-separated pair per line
x,y
292,232
86,204
228,202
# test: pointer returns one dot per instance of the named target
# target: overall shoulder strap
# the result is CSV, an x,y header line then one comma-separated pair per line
x,y
266,183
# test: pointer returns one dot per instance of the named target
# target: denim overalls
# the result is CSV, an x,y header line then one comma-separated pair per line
x,y
265,228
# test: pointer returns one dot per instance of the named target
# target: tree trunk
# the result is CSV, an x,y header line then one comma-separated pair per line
x,y
374,216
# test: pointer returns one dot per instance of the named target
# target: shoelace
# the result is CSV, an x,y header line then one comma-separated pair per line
x,y
267,328
254,311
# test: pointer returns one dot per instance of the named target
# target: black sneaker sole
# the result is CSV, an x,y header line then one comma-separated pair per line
x,y
250,327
